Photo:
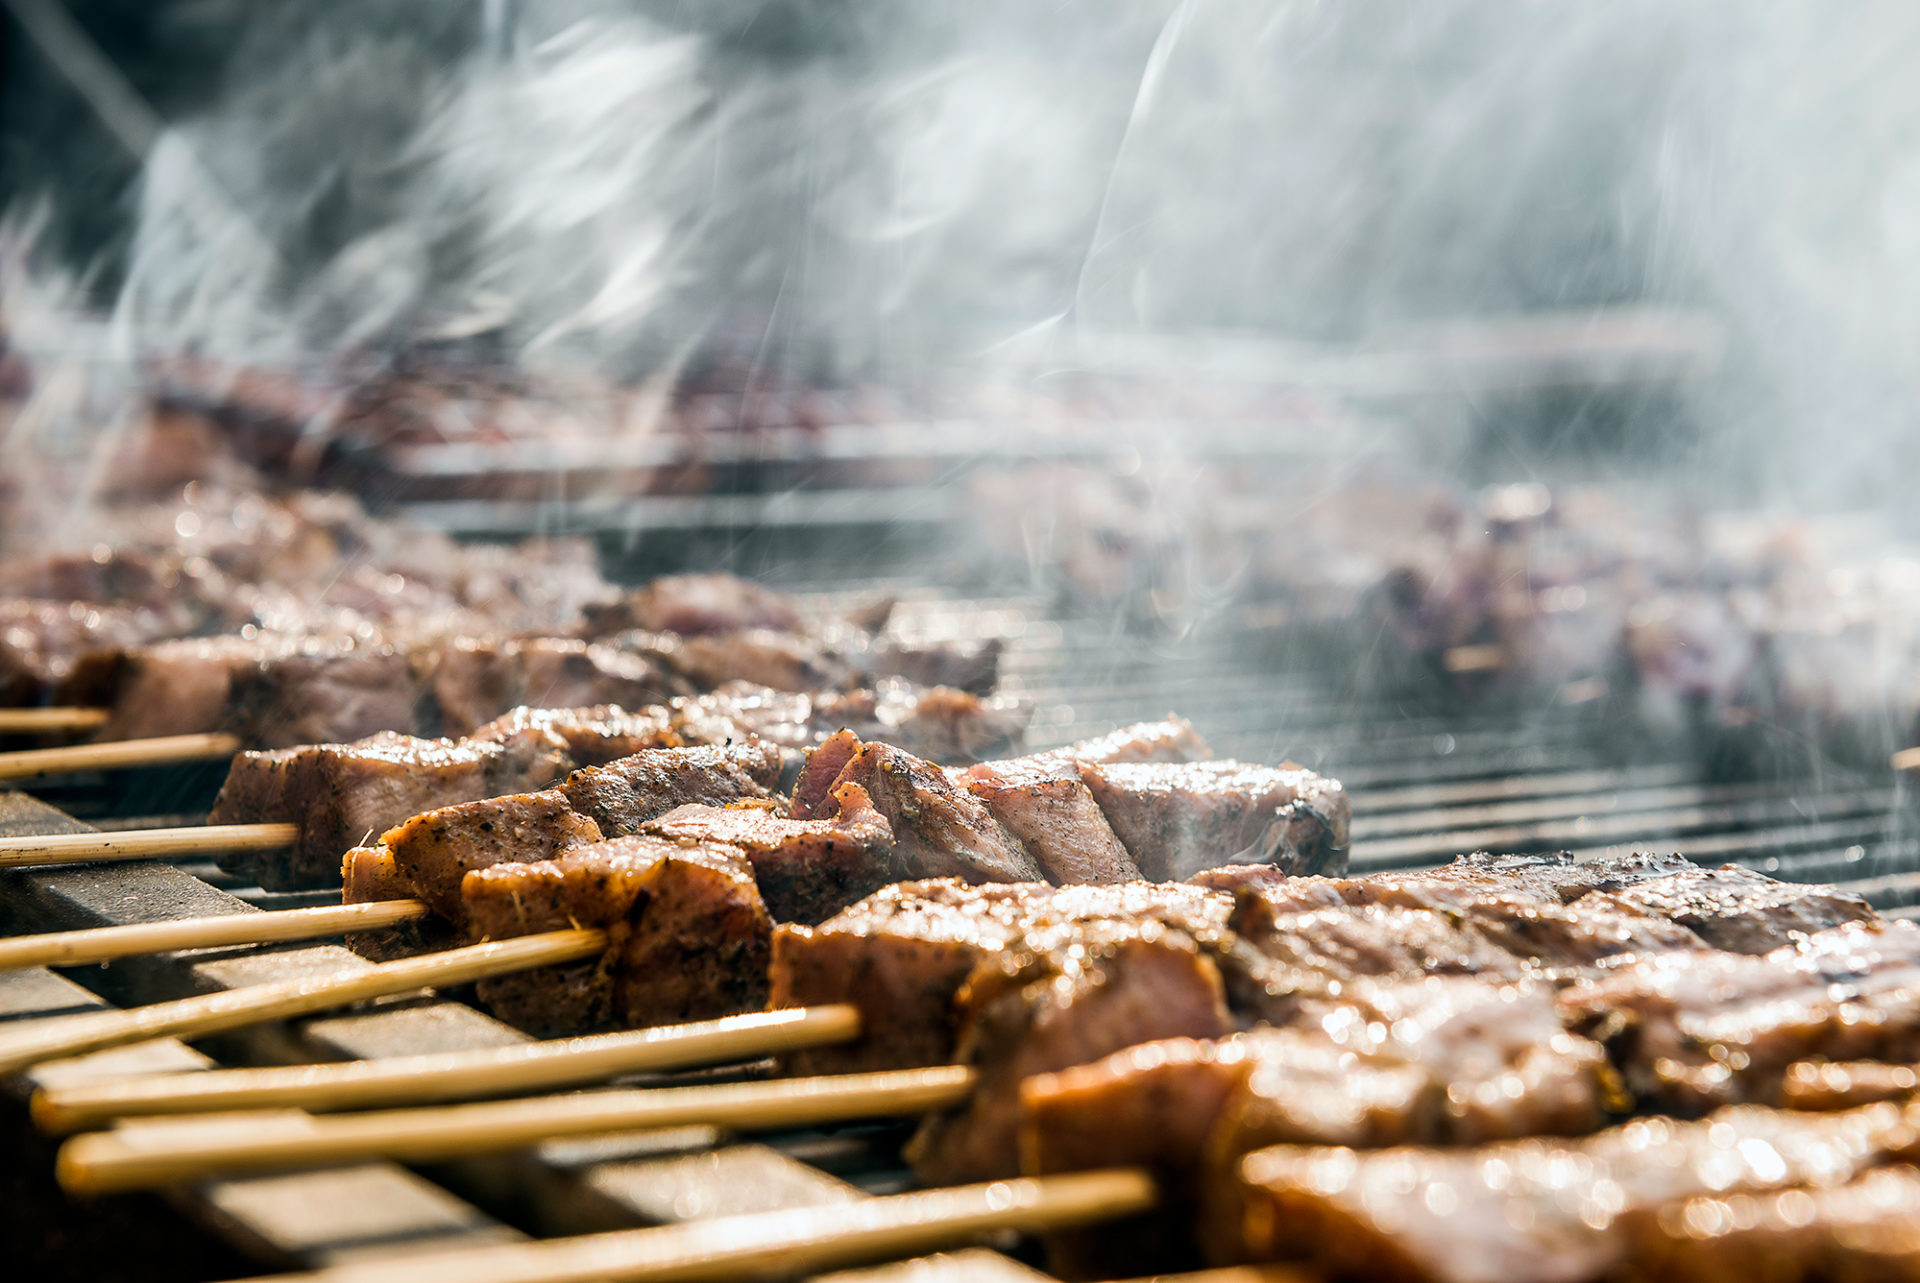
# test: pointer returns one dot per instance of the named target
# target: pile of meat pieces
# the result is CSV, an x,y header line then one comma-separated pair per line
x,y
342,795
651,844
1287,1051
304,620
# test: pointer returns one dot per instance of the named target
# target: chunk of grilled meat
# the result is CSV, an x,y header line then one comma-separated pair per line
x,y
1546,1211
939,829
623,795
1179,818
693,605
903,954
689,934
1106,986
939,723
1044,803
1866,1230
1435,1061
807,870
435,850
473,680
342,795
1738,909
1690,1031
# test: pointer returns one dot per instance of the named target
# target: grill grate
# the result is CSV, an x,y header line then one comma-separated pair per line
x,y
1427,783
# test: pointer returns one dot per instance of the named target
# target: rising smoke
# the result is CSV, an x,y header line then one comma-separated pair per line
x,y
861,188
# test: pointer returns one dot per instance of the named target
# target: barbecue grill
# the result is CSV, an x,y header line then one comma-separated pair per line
x,y
1428,782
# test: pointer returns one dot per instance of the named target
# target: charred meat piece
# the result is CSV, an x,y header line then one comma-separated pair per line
x,y
941,724
1690,1031
1547,1211
1171,740
40,640
593,736
1867,1229
171,687
782,661
434,851
1556,876
939,829
327,691
1434,1061
1179,818
973,667
474,680
1112,985
341,795
693,605
689,934
902,954
807,870
1045,804
1737,909
620,796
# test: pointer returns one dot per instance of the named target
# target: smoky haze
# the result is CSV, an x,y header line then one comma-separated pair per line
x,y
850,189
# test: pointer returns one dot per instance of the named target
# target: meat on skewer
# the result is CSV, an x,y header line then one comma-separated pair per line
x,y
342,795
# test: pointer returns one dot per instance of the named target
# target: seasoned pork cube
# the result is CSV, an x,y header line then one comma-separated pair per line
x,y
1172,740
1737,909
690,934
807,870
973,667
593,736
1437,1061
1865,1230
1693,1030
436,850
1047,806
782,661
40,640
327,691
1179,818
1112,985
474,680
939,829
622,795
1547,1211
696,604
171,687
342,795
902,954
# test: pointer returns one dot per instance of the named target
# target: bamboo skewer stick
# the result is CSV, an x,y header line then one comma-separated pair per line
x,y
146,1155
35,721
448,1076
1907,759
800,1241
64,1036
102,944
144,844
1483,658
118,755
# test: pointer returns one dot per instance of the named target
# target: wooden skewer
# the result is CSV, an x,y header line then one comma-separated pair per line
x,y
34,721
146,1155
117,755
101,944
145,844
1907,759
448,1076
64,1036
800,1241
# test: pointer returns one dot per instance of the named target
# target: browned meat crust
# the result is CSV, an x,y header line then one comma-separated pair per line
x,y
342,795
1179,818
807,870
1739,910
689,933
436,850
1690,1031
1047,806
623,795
1548,1211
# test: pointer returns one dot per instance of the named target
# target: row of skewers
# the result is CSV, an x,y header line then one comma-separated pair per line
x,y
1421,1075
